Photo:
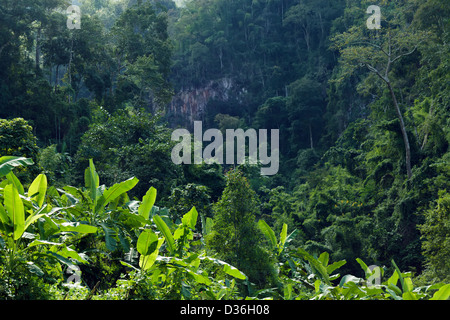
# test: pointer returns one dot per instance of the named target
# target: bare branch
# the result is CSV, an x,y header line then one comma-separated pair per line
x,y
404,54
370,44
375,70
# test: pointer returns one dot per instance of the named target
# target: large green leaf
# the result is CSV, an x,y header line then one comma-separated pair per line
x,y
116,190
335,265
396,294
92,181
126,264
146,262
349,278
232,271
34,216
229,269
75,195
68,262
43,242
316,265
16,182
8,163
147,203
199,278
77,227
283,236
14,206
5,223
393,279
409,296
147,242
124,242
364,267
268,232
48,227
34,269
69,253
288,291
323,258
190,218
110,240
4,217
288,239
207,224
186,266
133,220
38,189
402,282
394,289
408,285
442,294
162,226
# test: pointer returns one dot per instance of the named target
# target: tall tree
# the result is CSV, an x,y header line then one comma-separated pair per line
x,y
236,237
143,51
379,51
305,103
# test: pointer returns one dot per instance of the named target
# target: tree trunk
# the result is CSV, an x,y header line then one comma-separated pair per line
x,y
425,139
56,77
322,27
69,70
311,137
306,36
404,133
38,50
221,57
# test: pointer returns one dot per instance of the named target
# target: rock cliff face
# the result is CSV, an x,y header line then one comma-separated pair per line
x,y
191,104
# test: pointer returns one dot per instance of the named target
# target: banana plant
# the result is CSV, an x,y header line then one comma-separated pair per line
x,y
321,269
13,219
277,246
164,253
397,287
104,208
19,212
8,163
407,291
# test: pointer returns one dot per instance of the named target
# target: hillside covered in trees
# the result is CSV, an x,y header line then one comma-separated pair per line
x,y
92,205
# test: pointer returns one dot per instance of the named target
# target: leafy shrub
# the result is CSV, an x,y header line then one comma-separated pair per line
x,y
119,249
235,236
436,234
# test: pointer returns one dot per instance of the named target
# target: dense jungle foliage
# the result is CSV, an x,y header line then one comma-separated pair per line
x,y
92,206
